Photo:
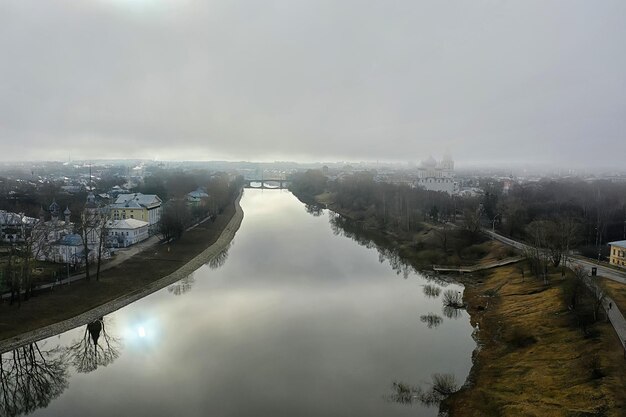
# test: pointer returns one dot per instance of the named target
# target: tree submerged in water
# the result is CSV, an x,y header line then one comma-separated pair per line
x,y
442,386
453,299
431,291
431,320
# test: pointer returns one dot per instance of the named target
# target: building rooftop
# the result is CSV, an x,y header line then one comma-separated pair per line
x,y
620,243
137,200
126,224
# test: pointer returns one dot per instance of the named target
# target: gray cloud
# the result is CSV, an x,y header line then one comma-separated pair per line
x,y
351,79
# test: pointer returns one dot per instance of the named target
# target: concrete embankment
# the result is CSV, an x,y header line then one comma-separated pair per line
x,y
221,244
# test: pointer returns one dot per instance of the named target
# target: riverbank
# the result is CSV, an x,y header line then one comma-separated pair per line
x,y
81,302
533,359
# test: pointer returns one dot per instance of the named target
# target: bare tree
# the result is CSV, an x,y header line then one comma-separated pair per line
x,y
103,223
30,379
536,252
599,295
95,348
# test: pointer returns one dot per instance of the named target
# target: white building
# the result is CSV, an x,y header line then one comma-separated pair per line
x,y
14,227
437,175
145,207
124,233
196,197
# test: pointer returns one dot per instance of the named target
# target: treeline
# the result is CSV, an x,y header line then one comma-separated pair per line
x,y
393,207
178,214
572,213
560,215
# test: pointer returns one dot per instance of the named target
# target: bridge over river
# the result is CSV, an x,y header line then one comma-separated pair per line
x,y
267,184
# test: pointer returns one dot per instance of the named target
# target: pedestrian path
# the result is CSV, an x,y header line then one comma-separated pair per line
x,y
613,313
478,267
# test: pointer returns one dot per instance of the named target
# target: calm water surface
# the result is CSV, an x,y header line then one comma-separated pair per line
x,y
295,320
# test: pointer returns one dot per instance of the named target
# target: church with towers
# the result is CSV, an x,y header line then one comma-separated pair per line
x,y
62,241
437,175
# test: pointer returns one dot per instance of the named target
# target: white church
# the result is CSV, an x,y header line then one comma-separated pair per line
x,y
437,175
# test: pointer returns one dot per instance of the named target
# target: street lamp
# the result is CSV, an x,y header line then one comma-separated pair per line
x,y
493,223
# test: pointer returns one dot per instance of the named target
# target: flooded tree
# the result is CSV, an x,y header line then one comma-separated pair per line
x,y
441,387
30,378
453,299
96,348
432,320
451,312
431,291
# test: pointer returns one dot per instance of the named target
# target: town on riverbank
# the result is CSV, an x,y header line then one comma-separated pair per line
x,y
540,260
118,244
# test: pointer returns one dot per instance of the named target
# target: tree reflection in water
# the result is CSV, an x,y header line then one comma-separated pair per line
x,y
96,348
220,259
314,209
442,386
451,312
183,286
30,378
431,320
431,291
342,226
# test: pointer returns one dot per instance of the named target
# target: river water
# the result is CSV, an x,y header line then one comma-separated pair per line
x,y
296,319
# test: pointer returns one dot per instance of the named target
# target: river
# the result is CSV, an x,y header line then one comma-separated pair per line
x,y
296,319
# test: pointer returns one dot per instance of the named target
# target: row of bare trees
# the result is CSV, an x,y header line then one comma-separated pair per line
x,y
31,376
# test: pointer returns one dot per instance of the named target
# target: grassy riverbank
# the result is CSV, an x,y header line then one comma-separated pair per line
x,y
129,277
534,359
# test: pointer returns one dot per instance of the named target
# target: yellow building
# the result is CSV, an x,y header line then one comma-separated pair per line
x,y
144,207
618,253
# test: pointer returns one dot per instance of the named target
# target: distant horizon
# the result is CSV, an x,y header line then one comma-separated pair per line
x,y
531,167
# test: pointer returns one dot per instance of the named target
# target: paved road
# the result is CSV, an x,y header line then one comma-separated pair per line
x,y
615,315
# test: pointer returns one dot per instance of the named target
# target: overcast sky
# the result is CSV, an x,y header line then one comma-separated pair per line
x,y
488,80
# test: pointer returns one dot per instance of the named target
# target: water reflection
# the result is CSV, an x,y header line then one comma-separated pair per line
x,y
183,286
451,312
431,291
297,321
30,378
220,259
95,348
314,209
342,226
432,320
442,386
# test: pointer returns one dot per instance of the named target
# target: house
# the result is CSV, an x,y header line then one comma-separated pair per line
x,y
144,207
195,198
69,249
12,228
127,232
618,253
